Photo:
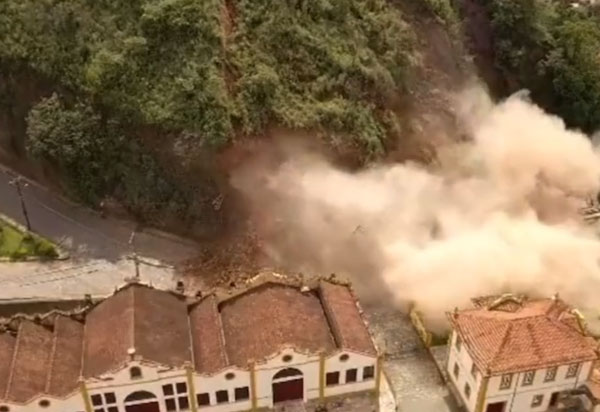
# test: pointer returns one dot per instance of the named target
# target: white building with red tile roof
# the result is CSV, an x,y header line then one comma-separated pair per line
x,y
511,354
147,350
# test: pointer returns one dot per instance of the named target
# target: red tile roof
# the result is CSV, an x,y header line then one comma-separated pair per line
x,y
30,364
65,366
50,354
108,333
345,319
161,328
207,336
514,336
7,346
260,322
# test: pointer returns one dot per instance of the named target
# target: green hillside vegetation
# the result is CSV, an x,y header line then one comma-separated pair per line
x,y
553,49
208,72
322,65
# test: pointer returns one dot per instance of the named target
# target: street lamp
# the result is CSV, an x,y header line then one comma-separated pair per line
x,y
16,182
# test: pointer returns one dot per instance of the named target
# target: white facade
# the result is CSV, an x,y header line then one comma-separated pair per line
x,y
228,390
533,395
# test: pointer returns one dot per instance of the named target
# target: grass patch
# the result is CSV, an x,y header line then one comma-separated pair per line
x,y
16,245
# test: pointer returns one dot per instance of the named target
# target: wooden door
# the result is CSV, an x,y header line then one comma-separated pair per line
x,y
496,407
143,407
288,391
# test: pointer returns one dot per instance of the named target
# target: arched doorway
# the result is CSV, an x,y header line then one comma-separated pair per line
x,y
141,401
288,385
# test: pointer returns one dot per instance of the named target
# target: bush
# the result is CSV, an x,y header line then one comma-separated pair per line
x,y
99,160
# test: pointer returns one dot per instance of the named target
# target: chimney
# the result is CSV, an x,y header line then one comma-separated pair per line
x,y
131,353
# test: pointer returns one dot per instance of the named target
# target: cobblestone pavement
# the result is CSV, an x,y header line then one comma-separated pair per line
x,y
410,369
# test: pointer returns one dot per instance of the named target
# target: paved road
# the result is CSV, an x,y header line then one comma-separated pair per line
x,y
83,232
412,374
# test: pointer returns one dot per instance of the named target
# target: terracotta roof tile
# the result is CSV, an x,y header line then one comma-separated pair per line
x,y
161,327
539,334
260,322
65,366
207,336
7,345
31,362
346,322
108,333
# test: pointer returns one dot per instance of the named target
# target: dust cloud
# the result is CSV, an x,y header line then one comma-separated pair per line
x,y
496,214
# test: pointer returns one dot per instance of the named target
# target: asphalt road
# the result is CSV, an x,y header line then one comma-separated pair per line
x,y
82,232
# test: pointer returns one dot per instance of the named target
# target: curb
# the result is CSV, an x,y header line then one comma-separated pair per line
x,y
150,231
62,253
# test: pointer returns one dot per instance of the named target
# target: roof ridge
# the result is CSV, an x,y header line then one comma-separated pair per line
x,y
191,337
331,321
132,289
505,338
222,341
52,355
537,349
83,347
13,360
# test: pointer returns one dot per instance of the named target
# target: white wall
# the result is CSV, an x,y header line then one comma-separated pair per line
x,y
72,403
307,364
465,363
519,397
219,382
154,377
152,380
354,361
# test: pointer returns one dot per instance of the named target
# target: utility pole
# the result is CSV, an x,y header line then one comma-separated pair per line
x,y
135,256
16,182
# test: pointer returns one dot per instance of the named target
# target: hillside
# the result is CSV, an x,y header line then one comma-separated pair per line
x,y
141,101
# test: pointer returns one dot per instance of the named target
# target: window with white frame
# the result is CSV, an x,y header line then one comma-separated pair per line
x,y
458,342
537,400
176,397
506,381
572,371
528,378
456,371
550,374
104,402
467,391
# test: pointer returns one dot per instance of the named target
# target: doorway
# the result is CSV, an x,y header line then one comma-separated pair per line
x,y
496,407
288,385
141,401
553,399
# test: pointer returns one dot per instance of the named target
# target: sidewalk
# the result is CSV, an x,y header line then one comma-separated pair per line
x,y
66,280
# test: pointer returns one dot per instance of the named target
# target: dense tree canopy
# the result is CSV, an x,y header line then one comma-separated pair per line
x,y
552,48
178,64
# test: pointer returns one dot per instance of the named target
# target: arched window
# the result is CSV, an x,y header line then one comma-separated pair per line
x,y
4,408
44,403
286,373
135,372
139,396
